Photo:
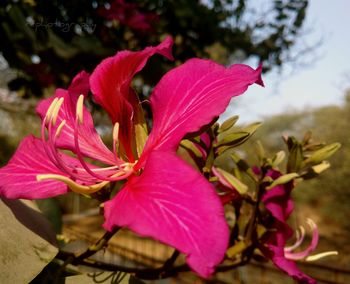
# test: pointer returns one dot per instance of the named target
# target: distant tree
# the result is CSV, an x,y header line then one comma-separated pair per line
x,y
50,41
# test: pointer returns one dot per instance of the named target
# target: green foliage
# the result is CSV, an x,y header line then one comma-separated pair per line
x,y
68,36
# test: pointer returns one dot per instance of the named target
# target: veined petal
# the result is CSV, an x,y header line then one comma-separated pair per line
x,y
18,177
110,84
275,252
278,201
191,96
173,203
90,142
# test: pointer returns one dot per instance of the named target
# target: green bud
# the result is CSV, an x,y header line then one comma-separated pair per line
x,y
233,181
295,158
283,180
260,150
316,170
278,158
189,145
322,154
140,137
227,124
307,137
235,137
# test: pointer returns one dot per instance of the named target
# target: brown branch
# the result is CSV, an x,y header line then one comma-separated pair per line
x,y
147,273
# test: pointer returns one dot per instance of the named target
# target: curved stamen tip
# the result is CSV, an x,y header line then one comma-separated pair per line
x,y
50,109
115,132
320,255
76,187
59,128
79,109
56,110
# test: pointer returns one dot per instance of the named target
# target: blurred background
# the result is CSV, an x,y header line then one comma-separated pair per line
x,y
302,44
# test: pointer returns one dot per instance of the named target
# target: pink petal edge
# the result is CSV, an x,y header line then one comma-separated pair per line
x,y
18,177
191,95
173,203
110,85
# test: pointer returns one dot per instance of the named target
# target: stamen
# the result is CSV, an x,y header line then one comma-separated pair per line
x,y
59,128
78,188
122,174
100,169
321,255
300,234
115,132
115,138
55,110
50,109
79,109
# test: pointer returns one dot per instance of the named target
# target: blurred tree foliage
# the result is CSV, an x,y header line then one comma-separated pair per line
x,y
330,193
48,42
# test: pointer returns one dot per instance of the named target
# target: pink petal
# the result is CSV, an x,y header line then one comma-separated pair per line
x,y
110,84
276,254
278,201
173,203
191,96
90,142
18,177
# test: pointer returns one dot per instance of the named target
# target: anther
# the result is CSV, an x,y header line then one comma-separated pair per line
x,y
115,132
59,128
78,188
79,109
50,109
56,109
320,255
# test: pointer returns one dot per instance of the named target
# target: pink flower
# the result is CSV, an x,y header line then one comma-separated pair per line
x,y
279,203
163,197
129,15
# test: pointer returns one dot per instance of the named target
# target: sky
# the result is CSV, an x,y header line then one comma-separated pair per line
x,y
321,82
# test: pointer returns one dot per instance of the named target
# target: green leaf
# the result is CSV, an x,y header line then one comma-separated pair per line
x,y
283,180
26,239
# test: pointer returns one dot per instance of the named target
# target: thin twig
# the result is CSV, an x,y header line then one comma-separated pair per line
x,y
102,242
75,260
147,273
